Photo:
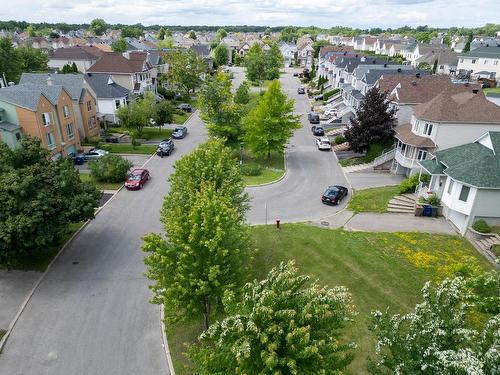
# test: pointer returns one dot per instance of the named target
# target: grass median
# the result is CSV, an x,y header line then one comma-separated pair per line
x,y
123,148
87,177
373,199
381,270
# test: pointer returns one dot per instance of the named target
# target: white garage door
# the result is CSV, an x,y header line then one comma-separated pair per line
x,y
458,219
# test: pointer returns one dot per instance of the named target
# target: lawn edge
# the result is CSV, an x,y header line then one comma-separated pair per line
x,y
165,341
275,181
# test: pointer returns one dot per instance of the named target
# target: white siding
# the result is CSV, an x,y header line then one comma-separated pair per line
x,y
451,135
452,200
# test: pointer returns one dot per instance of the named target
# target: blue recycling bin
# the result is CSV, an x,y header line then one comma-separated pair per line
x,y
427,211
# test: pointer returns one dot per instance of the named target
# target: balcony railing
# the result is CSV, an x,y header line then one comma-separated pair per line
x,y
405,161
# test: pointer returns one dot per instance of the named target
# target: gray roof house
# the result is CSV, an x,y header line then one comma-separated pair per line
x,y
110,95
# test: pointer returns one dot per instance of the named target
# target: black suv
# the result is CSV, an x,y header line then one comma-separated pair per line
x,y
185,107
318,130
179,132
313,117
165,147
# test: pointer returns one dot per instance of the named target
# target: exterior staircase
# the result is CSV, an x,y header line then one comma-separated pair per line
x,y
483,242
336,131
357,167
404,204
341,147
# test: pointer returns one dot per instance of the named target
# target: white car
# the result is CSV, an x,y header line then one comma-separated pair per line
x,y
94,154
323,143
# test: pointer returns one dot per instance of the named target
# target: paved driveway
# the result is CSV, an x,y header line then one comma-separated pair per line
x,y
369,179
90,315
309,172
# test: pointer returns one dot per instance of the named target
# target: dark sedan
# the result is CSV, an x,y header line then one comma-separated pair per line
x,y
165,147
185,107
313,117
318,130
179,132
334,194
301,90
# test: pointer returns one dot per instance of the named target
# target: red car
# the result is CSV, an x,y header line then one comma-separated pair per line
x,y
136,179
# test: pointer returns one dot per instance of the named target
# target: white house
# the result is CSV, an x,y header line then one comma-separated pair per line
x,y
483,61
467,180
110,95
288,50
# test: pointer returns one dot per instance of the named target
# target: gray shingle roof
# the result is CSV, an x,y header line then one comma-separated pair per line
x,y
489,52
99,84
4,125
72,83
28,99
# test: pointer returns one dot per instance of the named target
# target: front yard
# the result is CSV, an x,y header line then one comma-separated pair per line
x,y
86,177
381,270
268,170
126,148
373,199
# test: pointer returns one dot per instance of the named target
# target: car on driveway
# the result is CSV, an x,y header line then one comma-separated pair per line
x,y
334,194
323,143
295,74
165,147
136,179
313,117
301,90
318,130
185,107
94,154
179,132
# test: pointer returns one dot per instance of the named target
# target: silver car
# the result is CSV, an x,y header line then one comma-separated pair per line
x,y
94,154
323,143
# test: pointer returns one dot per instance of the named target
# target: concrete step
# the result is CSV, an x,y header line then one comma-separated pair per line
x,y
397,202
402,199
399,210
341,147
410,196
482,245
358,167
400,207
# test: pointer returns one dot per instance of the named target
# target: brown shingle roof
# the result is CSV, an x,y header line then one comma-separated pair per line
x,y
115,62
77,53
461,107
405,135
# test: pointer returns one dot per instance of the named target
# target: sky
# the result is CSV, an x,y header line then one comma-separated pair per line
x,y
322,13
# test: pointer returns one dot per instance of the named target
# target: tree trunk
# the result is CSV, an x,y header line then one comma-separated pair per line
x,y
269,155
206,314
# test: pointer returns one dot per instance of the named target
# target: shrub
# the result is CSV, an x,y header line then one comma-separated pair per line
x,y
327,95
94,141
110,168
432,200
481,226
409,185
167,94
251,169
339,139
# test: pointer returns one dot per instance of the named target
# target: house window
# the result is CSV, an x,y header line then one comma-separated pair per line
x,y
441,67
422,154
450,187
117,103
428,129
89,106
473,61
46,119
464,193
18,136
495,62
91,122
461,60
50,140
69,130
66,111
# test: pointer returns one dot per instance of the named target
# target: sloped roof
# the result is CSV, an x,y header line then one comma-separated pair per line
x,y
460,107
489,52
405,135
26,96
72,83
103,88
77,53
115,62
8,126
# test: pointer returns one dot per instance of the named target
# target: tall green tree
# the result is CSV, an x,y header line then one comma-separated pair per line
x,y
119,45
161,34
206,250
373,123
215,101
242,94
283,324
255,63
317,46
167,43
38,200
192,34
98,26
132,31
221,55
30,30
185,70
437,336
274,61
164,113
467,44
221,33
138,113
10,61
289,34
270,125
33,59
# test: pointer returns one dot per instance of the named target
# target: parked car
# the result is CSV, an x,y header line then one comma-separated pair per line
x,y
318,130
323,143
301,90
334,194
165,147
179,132
185,107
136,179
313,117
94,154
295,74
318,97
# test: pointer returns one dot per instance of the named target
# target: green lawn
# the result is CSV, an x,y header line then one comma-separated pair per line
x,y
122,148
272,169
2,333
40,260
380,269
86,177
495,90
374,151
373,199
267,175
149,133
181,117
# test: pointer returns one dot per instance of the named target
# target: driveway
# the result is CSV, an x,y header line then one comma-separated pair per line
x,y
368,179
309,172
91,315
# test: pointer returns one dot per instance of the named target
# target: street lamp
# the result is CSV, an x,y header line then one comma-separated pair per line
x,y
241,153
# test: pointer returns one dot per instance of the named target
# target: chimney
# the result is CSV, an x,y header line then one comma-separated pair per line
x,y
417,75
49,80
475,91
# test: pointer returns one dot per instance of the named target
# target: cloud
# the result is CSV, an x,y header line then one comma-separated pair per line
x,y
323,13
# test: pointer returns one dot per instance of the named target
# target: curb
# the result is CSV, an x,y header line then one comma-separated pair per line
x,y
275,181
165,342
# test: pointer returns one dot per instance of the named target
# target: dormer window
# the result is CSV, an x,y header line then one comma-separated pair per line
x,y
427,129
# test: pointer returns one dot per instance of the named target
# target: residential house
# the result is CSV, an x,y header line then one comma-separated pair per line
x,y
45,112
83,56
204,51
61,42
110,95
483,61
10,133
452,118
305,53
447,62
426,53
467,180
40,42
84,102
132,71
232,43
289,51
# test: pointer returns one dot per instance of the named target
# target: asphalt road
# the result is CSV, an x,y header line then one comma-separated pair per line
x,y
309,172
91,315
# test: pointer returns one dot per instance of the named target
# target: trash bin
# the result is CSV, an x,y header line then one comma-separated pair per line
x,y
78,160
427,211
434,211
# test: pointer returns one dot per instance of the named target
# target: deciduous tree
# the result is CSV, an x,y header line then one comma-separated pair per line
x,y
10,61
281,325
373,123
32,59
255,63
138,114
39,198
185,70
206,252
119,45
221,55
274,61
271,123
98,26
242,94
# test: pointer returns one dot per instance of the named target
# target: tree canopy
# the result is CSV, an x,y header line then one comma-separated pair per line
x,y
38,200
221,55
138,113
119,45
255,63
98,26
185,69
